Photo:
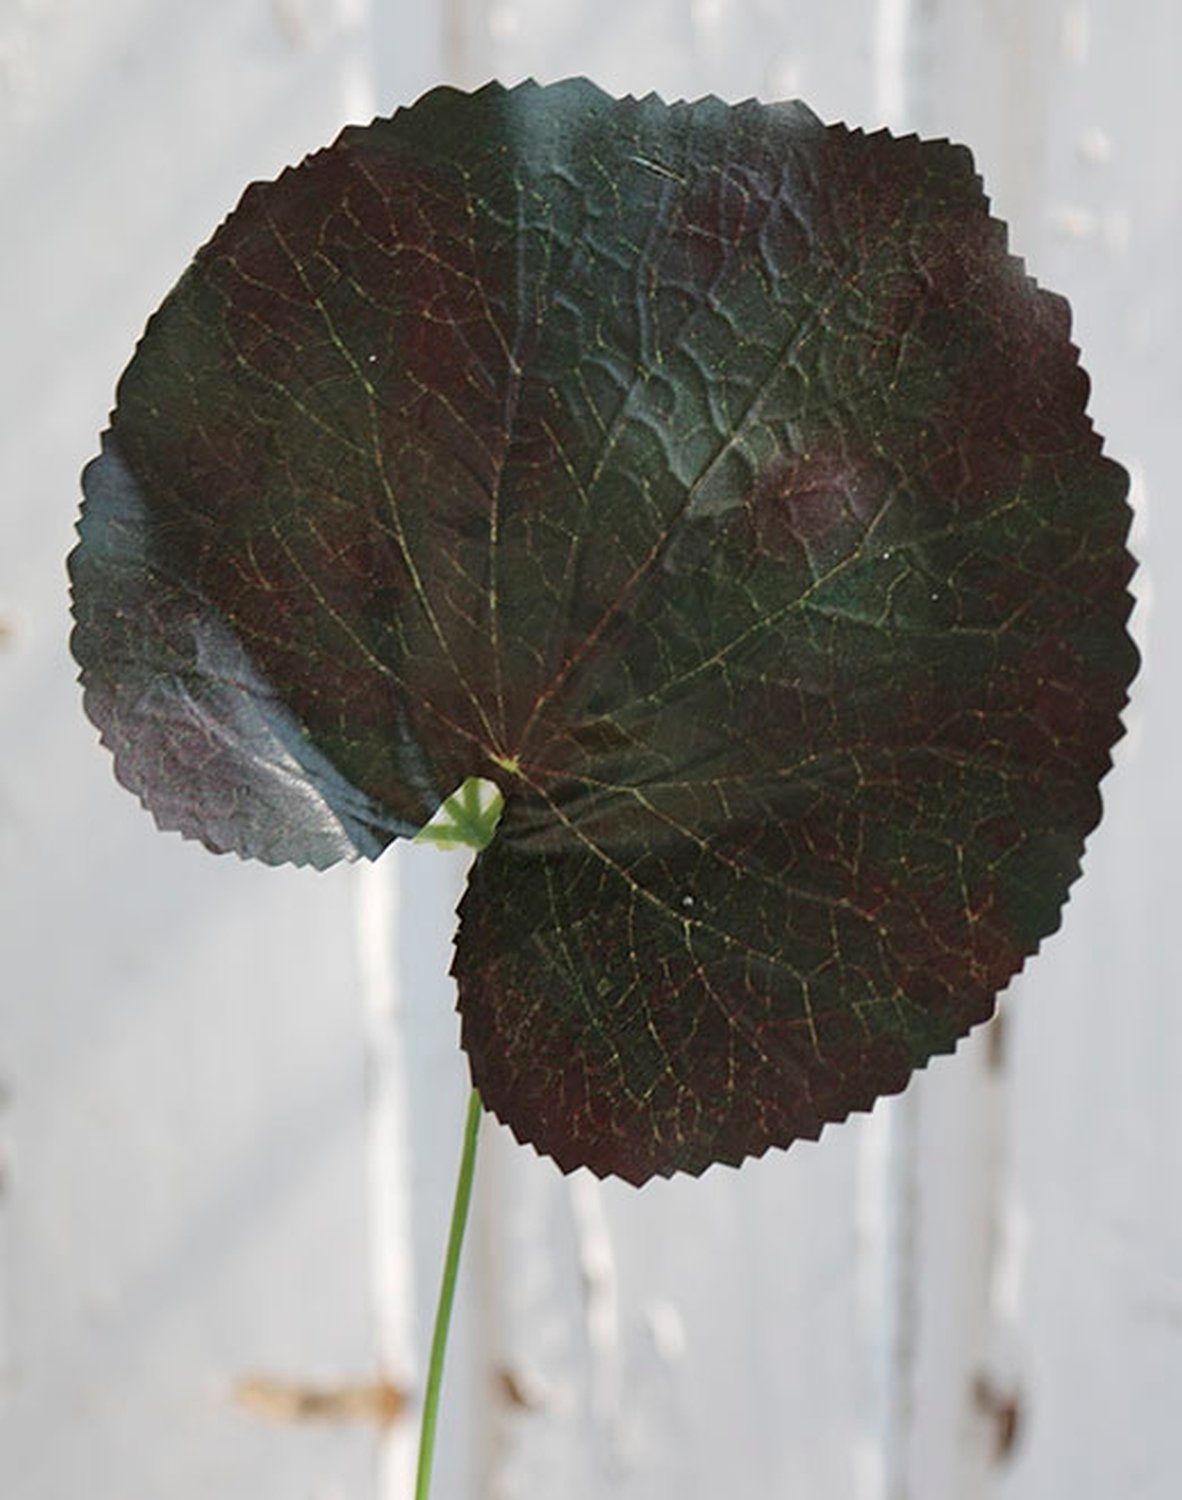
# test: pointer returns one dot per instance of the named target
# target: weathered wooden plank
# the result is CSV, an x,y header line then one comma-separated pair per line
x,y
723,1335
1070,105
986,1265
952,1227
180,1036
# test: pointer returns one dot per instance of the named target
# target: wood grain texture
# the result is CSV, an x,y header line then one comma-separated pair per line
x,y
1070,107
973,1294
948,1267
708,1337
179,1036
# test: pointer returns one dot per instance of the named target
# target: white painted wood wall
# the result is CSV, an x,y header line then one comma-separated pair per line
x,y
230,1097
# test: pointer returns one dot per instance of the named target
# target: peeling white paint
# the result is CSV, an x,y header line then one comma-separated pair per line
x,y
1111,227
1006,1292
667,1329
892,26
504,23
1139,531
885,1219
1072,221
1095,146
707,15
357,69
601,1293
870,1229
290,21
785,74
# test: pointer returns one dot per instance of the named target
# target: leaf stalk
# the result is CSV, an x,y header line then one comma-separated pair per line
x,y
447,1295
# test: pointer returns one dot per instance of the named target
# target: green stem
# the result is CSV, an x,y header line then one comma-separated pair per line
x,y
447,1295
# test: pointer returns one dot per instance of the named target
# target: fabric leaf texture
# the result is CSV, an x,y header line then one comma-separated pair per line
x,y
711,481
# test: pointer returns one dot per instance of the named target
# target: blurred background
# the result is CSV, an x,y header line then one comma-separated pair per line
x,y
231,1097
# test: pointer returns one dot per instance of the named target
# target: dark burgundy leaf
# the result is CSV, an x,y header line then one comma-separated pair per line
x,y
712,481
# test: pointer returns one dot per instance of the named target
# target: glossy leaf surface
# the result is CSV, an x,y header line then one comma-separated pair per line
x,y
711,481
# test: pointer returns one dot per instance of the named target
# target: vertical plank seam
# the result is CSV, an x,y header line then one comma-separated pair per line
x,y
887,1207
391,1256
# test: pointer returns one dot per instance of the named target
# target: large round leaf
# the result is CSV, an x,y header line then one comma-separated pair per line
x,y
711,480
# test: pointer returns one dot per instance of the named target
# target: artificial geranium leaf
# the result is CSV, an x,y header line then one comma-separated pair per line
x,y
709,480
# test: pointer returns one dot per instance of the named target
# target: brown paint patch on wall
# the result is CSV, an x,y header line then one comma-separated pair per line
x,y
379,1402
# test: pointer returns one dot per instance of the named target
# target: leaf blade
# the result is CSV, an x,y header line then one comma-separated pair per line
x,y
711,481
